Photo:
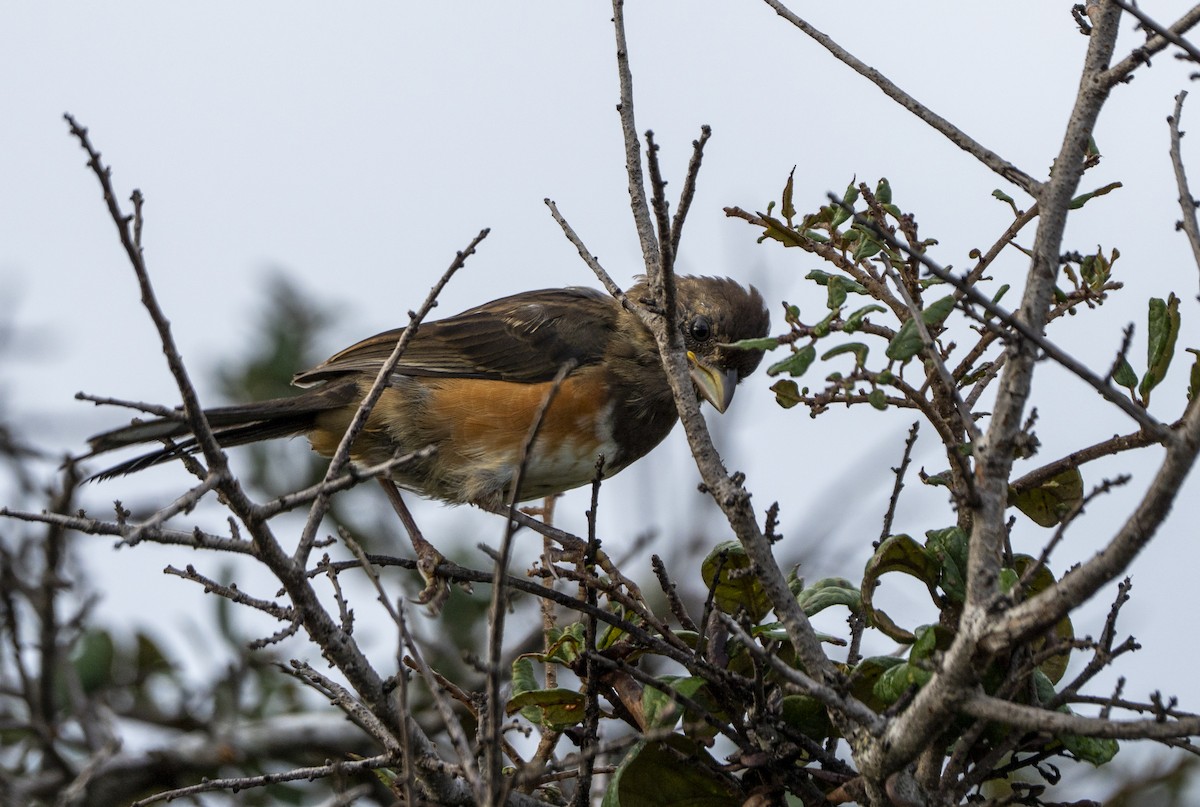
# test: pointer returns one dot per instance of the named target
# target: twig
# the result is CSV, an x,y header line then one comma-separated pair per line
x,y
353,475
233,593
453,726
345,700
669,589
955,135
342,456
591,713
804,683
1166,33
905,458
591,260
1104,448
245,782
689,188
1031,718
183,504
1155,44
164,412
633,154
94,526
196,419
1187,202
494,783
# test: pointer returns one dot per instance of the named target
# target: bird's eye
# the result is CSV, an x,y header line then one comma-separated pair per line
x,y
700,329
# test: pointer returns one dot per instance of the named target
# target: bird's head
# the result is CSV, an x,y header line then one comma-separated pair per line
x,y
712,313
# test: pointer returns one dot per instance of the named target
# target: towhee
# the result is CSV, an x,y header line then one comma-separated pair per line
x,y
470,386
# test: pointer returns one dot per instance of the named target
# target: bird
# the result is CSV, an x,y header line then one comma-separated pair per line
x,y
470,386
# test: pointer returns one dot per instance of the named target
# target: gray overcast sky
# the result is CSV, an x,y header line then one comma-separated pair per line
x,y
357,147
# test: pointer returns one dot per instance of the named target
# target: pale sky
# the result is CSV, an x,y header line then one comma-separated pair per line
x,y
356,148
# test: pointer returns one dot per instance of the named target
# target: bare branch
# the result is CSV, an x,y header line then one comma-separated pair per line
x,y
1031,718
955,135
1187,202
1163,37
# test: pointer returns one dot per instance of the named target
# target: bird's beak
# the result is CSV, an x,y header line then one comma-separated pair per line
x,y
715,386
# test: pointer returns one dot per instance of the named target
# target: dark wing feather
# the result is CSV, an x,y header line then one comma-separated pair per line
x,y
526,337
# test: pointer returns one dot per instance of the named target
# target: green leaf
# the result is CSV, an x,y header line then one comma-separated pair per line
x,y
898,553
844,211
766,343
553,708
93,657
866,674
948,548
894,683
883,192
857,348
1040,579
727,571
1008,580
788,209
855,320
827,593
776,632
878,399
907,341
1097,269
936,312
1050,501
1000,292
566,644
676,772
787,393
1125,376
1082,199
806,715
1164,328
838,288
930,640
796,364
867,246
523,679
1007,199
1096,750
660,709
1194,378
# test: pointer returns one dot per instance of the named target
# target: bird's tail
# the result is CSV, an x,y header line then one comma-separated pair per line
x,y
231,425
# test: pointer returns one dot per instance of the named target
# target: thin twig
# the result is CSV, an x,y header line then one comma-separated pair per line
x,y
494,783
905,458
689,188
342,456
1187,202
197,421
244,782
1166,33
955,135
591,260
1155,44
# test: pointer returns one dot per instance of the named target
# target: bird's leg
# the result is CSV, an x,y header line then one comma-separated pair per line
x,y
436,590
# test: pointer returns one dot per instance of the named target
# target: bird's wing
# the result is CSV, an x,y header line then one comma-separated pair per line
x,y
526,337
